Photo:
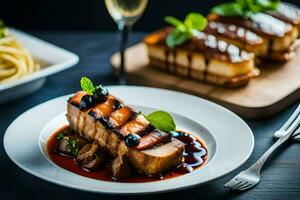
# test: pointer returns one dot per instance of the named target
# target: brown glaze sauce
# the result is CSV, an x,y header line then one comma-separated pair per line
x,y
195,155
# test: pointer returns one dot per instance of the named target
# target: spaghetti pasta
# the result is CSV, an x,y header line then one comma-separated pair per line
x,y
15,60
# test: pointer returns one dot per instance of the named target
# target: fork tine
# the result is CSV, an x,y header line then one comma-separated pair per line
x,y
231,183
294,125
291,119
246,187
240,186
237,185
297,133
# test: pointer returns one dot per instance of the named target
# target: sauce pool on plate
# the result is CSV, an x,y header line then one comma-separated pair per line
x,y
195,155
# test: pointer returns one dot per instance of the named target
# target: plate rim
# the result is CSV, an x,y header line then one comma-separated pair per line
x,y
62,183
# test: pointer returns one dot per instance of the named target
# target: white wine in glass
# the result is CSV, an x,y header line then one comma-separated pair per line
x,y
125,13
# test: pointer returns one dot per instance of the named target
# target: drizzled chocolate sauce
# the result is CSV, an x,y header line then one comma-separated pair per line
x,y
287,12
233,31
189,57
167,52
204,43
195,155
174,65
260,23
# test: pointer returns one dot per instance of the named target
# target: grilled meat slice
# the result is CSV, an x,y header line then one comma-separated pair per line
x,y
120,168
154,138
108,131
157,159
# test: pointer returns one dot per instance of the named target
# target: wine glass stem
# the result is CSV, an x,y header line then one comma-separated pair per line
x,y
125,29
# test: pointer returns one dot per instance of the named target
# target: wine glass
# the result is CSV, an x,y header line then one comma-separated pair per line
x,y
125,13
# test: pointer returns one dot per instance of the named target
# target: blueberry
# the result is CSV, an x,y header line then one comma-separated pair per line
x,y
100,95
132,140
117,105
86,102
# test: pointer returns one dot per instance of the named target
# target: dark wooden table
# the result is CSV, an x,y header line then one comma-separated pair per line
x,y
280,178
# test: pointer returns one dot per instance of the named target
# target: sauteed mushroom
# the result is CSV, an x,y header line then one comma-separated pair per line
x,y
69,145
88,158
120,167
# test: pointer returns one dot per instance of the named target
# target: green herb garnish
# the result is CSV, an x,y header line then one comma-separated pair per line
x,y
245,8
72,143
60,136
162,121
88,86
186,29
73,147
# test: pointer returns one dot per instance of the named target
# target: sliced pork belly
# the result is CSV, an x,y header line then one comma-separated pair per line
x,y
153,138
157,159
204,58
108,123
137,125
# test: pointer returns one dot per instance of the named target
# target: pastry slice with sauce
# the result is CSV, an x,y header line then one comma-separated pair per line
x,y
203,57
278,36
239,36
287,12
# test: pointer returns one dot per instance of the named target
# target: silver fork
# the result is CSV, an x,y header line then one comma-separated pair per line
x,y
251,176
282,131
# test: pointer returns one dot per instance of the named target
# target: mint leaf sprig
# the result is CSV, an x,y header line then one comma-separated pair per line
x,y
245,8
162,121
184,30
87,85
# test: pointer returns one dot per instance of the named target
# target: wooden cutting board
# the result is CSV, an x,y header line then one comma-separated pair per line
x,y
277,87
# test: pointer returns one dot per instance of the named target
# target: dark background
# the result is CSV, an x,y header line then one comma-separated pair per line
x,y
92,14
280,178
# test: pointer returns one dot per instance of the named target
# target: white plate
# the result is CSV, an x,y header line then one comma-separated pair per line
x,y
229,140
52,59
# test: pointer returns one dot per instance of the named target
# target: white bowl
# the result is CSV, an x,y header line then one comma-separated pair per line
x,y
52,59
